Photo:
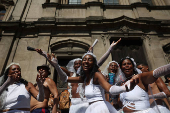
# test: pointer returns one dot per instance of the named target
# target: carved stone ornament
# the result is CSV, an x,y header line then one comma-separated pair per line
x,y
124,29
146,37
104,38
167,57
166,49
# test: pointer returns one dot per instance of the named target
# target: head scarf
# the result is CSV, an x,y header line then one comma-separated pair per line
x,y
135,69
119,77
70,65
90,53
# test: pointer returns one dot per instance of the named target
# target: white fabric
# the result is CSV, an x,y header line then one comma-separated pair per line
x,y
17,111
78,105
122,75
80,88
106,68
101,107
70,65
17,97
60,72
94,92
115,90
163,109
161,71
91,55
137,98
159,95
119,76
149,110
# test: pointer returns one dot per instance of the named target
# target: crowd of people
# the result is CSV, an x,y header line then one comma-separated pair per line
x,y
123,87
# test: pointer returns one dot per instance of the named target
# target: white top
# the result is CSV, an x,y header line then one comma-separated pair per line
x,y
137,99
17,97
80,88
94,92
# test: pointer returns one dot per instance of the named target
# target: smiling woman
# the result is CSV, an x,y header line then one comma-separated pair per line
x,y
137,100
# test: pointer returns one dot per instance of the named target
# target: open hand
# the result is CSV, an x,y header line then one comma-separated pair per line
x,y
13,78
114,43
130,84
40,79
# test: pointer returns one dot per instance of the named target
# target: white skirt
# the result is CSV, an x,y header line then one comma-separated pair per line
x,y
162,109
78,105
101,107
16,111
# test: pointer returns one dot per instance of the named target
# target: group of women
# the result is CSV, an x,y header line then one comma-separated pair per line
x,y
133,89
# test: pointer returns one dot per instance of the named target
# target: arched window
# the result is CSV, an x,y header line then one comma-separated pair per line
x,y
2,13
111,2
147,1
65,51
74,1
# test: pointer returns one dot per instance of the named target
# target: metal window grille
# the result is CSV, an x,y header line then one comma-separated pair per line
x,y
111,2
2,13
147,1
74,1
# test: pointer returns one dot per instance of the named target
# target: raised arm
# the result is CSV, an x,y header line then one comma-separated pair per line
x,y
38,94
152,76
106,55
11,79
54,62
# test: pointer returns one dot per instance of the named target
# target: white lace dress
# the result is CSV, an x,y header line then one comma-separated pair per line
x,y
95,95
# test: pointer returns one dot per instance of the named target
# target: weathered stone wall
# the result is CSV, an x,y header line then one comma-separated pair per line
x,y
43,24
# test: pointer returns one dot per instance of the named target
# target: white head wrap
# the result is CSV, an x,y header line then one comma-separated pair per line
x,y
135,68
70,65
89,53
105,72
119,77
4,94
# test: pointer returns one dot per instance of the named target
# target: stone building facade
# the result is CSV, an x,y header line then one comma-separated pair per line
x,y
68,28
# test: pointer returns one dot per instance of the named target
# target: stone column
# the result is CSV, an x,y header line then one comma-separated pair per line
x,y
55,1
167,2
134,1
153,51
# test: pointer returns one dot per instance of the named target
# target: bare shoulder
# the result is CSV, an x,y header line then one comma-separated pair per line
x,y
49,81
98,75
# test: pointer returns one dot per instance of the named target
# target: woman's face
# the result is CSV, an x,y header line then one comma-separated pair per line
x,y
127,68
15,70
112,67
77,64
87,62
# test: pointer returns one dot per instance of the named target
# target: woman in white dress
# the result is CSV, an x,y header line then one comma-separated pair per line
x,y
15,92
95,84
137,100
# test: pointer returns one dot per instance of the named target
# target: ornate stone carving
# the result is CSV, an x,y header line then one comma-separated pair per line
x,y
146,37
166,49
124,29
104,38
